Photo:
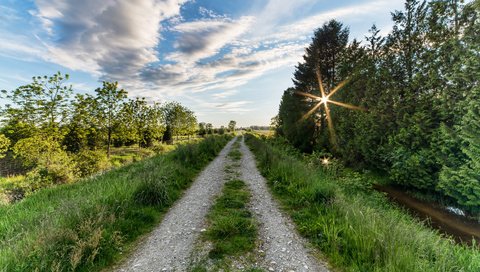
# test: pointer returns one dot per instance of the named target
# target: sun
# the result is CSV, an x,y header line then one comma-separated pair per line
x,y
324,100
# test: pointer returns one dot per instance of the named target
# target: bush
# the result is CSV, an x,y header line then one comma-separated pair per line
x,y
89,162
162,148
47,157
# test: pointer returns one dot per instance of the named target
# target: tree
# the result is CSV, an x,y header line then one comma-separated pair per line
x,y
221,130
231,126
144,121
209,128
323,56
324,53
83,126
202,129
296,129
463,181
179,120
460,174
44,103
109,99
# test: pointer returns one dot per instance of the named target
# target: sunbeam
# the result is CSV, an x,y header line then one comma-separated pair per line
x,y
324,99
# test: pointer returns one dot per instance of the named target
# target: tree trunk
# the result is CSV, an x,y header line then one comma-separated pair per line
x,y
109,137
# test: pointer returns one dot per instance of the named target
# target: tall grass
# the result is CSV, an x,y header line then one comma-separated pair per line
x,y
358,230
88,225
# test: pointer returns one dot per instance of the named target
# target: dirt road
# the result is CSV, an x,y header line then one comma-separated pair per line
x,y
170,245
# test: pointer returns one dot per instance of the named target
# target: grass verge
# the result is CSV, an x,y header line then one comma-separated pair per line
x,y
357,228
232,229
88,225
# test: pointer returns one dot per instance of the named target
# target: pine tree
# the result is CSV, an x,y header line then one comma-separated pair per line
x,y
462,181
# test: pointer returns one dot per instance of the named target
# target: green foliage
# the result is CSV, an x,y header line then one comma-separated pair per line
x,y
231,125
95,220
414,84
356,228
179,120
109,104
89,162
202,129
47,157
291,125
4,145
146,122
462,180
44,102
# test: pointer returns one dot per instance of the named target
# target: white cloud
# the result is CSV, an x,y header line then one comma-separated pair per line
x,y
204,38
118,39
114,39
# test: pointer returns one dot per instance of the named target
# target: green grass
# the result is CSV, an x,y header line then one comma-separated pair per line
x,y
355,227
88,225
232,230
235,153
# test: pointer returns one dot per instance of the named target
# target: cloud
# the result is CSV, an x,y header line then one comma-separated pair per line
x,y
112,39
204,38
303,28
20,47
214,54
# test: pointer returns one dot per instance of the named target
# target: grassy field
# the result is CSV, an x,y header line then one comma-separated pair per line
x,y
88,225
356,227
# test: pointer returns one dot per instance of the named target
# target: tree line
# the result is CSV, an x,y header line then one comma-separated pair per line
x,y
419,90
59,135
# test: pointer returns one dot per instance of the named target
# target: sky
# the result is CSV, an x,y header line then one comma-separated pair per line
x,y
224,59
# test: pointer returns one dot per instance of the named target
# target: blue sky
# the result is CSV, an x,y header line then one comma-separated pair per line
x,y
224,59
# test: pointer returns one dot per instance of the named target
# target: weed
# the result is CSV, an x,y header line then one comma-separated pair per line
x,y
153,191
232,229
235,154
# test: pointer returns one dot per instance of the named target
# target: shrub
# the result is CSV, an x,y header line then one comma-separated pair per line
x,y
162,148
89,162
47,157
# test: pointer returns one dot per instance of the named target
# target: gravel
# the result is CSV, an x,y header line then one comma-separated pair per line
x,y
169,246
283,247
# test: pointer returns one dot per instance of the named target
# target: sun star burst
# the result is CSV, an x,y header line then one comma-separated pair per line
x,y
324,100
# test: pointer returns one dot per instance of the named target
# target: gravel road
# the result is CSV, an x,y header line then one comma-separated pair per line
x,y
284,248
168,247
